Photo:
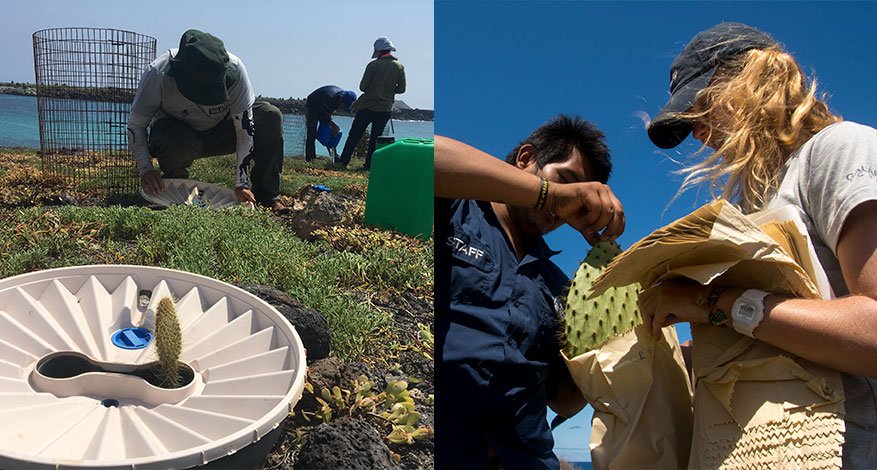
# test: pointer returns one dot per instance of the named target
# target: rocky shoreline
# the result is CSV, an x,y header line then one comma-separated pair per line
x,y
286,105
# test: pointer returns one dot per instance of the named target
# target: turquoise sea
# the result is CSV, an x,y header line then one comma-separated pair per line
x,y
19,127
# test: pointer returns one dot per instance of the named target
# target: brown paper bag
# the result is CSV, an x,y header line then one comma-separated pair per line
x,y
642,401
755,406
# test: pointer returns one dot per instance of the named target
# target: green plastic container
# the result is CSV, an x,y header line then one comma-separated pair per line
x,y
400,187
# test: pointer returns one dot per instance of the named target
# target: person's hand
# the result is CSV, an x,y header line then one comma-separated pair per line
x,y
335,128
244,195
152,183
590,208
672,302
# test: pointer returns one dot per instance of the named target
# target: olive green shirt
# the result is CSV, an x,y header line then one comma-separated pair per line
x,y
383,79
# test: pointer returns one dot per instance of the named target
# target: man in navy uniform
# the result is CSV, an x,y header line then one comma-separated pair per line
x,y
499,296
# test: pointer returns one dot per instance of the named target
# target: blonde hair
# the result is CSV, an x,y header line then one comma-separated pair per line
x,y
758,109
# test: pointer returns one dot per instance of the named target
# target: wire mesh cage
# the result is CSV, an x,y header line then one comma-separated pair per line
x,y
294,133
86,79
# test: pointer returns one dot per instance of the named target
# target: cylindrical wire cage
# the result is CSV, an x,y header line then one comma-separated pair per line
x,y
86,79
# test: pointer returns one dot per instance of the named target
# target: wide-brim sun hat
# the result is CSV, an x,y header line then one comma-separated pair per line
x,y
202,68
382,44
692,71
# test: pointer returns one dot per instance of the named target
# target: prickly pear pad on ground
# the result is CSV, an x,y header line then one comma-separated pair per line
x,y
591,322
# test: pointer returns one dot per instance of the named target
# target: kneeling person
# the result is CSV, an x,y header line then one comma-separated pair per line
x,y
197,101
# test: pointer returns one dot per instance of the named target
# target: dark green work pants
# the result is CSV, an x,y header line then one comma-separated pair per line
x,y
364,117
176,146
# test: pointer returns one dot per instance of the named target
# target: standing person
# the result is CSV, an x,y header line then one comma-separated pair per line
x,y
498,362
197,101
384,78
319,107
776,143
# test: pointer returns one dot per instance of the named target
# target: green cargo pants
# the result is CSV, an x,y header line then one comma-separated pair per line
x,y
176,146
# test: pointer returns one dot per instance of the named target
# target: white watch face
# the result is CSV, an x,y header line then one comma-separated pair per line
x,y
748,312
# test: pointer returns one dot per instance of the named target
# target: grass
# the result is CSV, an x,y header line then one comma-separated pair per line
x,y
333,274
296,174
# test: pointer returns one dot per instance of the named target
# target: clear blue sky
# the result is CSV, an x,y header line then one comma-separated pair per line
x,y
504,68
289,48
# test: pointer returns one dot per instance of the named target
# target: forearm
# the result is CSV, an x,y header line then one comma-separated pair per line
x,y
464,172
138,143
839,333
244,133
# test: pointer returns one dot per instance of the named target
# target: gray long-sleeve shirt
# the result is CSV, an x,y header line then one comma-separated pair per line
x,y
158,97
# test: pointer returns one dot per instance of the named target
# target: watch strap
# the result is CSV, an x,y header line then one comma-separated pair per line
x,y
716,316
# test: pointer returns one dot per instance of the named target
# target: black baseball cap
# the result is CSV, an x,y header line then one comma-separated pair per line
x,y
692,71
202,68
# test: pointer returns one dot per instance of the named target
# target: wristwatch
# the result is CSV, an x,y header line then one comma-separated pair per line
x,y
748,311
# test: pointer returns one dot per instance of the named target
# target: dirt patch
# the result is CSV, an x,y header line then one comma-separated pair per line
x,y
299,447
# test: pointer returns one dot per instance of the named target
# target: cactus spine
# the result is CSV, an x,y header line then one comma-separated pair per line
x,y
168,342
591,322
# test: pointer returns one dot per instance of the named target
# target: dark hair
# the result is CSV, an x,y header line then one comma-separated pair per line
x,y
554,141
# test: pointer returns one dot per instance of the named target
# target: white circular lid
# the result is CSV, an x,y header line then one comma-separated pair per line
x,y
249,365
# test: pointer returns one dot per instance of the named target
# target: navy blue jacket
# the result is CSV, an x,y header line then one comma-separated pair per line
x,y
323,101
493,311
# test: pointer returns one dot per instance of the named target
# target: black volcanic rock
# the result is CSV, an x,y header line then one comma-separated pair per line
x,y
310,325
351,444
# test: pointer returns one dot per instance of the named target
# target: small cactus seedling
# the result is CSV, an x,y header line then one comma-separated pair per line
x,y
591,322
168,342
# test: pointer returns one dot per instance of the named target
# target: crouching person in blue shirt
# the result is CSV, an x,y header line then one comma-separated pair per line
x,y
498,295
319,107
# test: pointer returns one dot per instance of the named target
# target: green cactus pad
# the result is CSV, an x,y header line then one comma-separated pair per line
x,y
168,342
591,322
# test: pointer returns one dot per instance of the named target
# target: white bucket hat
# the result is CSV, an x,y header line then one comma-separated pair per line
x,y
382,44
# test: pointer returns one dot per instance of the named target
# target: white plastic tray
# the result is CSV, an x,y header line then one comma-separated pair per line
x,y
191,192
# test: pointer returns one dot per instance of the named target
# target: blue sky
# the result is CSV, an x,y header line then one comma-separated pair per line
x,y
504,68
289,48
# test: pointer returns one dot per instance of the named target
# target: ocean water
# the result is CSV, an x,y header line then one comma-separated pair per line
x,y
19,127
582,465
19,124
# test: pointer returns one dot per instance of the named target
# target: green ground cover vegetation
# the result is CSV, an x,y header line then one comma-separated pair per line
x,y
333,274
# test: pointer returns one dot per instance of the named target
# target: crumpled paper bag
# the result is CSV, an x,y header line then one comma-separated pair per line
x,y
641,395
755,406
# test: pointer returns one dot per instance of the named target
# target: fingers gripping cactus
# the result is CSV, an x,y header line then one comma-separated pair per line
x,y
591,322
168,342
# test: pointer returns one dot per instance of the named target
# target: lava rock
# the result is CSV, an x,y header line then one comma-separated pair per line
x,y
332,371
327,373
346,443
312,328
314,209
